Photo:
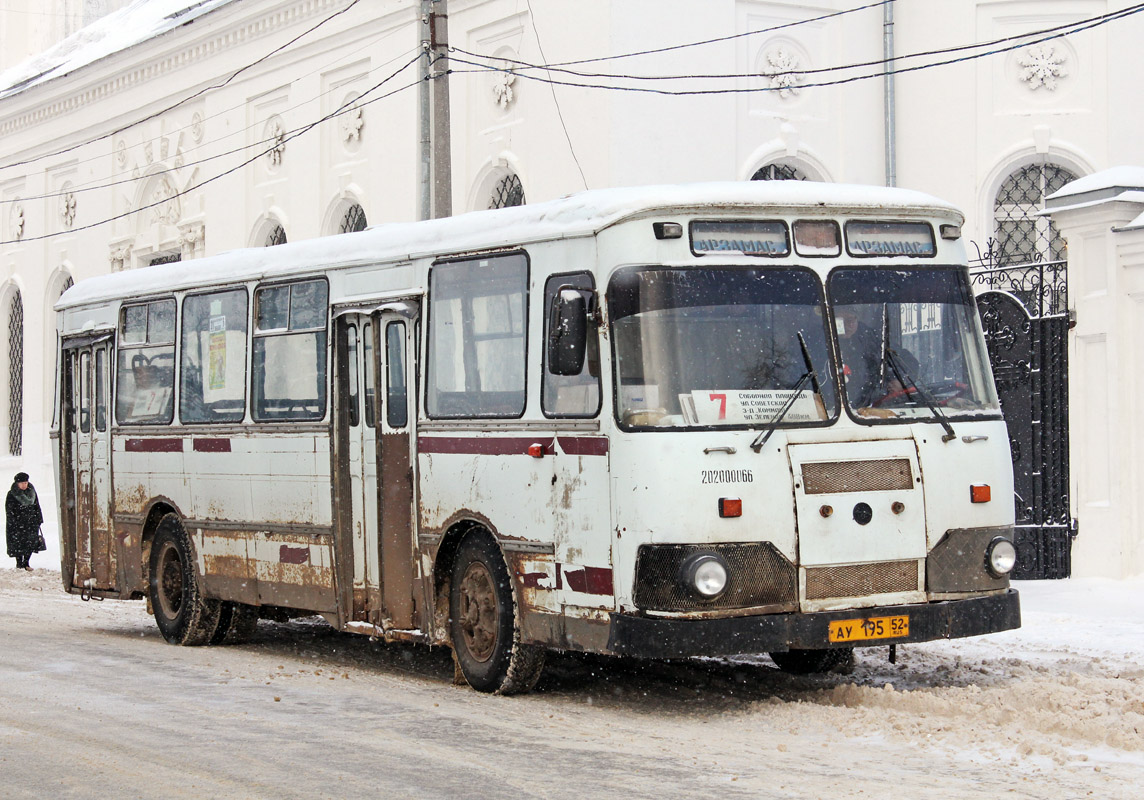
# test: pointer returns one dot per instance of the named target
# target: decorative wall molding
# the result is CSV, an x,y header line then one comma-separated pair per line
x,y
351,122
16,221
67,207
192,239
503,82
120,254
1042,64
781,65
275,131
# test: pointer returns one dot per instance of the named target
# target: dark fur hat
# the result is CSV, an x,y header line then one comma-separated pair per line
x,y
21,477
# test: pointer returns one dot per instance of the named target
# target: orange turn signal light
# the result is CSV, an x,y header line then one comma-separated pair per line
x,y
979,493
730,507
536,450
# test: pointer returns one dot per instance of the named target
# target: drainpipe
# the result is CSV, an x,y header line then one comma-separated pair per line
x,y
888,54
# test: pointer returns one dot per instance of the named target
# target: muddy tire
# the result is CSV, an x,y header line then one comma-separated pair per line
x,y
183,615
236,623
808,662
483,622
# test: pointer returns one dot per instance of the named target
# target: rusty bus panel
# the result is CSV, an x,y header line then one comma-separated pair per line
x,y
228,572
395,481
295,571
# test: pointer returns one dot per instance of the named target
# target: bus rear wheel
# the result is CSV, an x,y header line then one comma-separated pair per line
x,y
808,662
183,614
483,622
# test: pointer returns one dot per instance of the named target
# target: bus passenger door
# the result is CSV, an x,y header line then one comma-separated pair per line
x,y
355,472
95,557
395,463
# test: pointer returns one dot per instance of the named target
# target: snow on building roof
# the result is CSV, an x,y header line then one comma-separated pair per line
x,y
119,30
1113,181
579,214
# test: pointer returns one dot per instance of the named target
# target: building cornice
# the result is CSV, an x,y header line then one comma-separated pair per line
x,y
133,67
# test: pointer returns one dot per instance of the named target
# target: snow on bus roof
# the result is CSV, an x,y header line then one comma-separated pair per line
x,y
579,214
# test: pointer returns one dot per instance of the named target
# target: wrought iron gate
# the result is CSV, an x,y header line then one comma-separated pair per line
x,y
1024,313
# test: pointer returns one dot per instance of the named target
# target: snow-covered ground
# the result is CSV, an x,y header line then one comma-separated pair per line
x,y
90,695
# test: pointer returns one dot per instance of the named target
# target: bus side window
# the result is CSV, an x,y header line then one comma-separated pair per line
x,y
355,393
84,393
101,390
288,380
212,368
145,375
477,313
367,346
396,398
571,395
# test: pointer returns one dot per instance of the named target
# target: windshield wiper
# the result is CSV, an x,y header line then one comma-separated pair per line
x,y
912,387
796,390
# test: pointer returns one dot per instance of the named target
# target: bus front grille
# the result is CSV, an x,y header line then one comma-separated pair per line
x,y
833,477
859,580
757,575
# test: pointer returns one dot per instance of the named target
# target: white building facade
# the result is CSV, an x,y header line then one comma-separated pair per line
x,y
173,128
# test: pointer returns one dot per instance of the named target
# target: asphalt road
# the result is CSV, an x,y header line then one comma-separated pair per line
x,y
94,704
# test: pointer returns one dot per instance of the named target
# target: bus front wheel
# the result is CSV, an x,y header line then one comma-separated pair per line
x,y
483,622
807,662
183,615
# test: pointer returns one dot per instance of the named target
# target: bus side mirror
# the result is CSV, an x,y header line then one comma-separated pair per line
x,y
567,331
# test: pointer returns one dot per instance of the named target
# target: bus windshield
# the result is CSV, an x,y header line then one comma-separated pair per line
x,y
910,343
720,347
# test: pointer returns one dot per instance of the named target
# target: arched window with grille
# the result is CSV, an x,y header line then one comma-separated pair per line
x,y
275,236
509,191
1021,235
16,375
353,220
779,172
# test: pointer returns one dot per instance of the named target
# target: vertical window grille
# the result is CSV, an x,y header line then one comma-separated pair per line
x,y
353,220
779,172
16,376
276,236
1021,235
508,192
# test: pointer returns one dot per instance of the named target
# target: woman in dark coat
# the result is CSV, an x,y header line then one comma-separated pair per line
x,y
24,520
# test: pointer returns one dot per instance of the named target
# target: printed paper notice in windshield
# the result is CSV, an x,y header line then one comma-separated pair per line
x,y
746,407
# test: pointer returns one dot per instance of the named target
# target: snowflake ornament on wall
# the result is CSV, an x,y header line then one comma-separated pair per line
x,y
1042,65
502,86
782,68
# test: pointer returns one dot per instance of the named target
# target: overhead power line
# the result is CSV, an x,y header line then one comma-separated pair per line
x,y
1025,41
1062,30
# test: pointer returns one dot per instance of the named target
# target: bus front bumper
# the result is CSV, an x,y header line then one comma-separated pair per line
x,y
658,637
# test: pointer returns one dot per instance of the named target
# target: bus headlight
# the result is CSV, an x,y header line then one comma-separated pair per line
x,y
704,574
1000,557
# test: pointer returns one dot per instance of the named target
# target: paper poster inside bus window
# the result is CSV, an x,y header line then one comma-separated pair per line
x,y
150,402
743,407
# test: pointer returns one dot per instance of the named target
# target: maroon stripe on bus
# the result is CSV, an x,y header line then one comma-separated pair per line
x,y
212,445
154,446
589,580
583,445
293,555
484,446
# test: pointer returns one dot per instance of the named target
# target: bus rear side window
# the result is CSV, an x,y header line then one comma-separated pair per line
x,y
212,362
477,313
145,376
289,354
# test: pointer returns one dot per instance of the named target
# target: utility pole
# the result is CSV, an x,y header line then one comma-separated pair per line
x,y
436,159
891,113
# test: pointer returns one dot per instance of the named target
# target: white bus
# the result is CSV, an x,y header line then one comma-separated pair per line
x,y
661,422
